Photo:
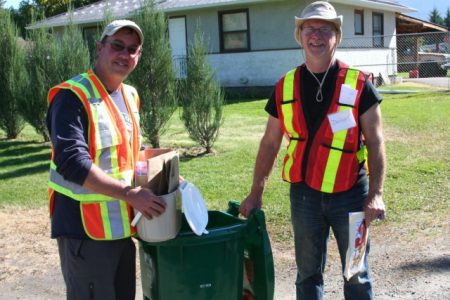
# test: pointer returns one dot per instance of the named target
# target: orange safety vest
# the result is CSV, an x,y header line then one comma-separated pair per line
x,y
103,217
327,162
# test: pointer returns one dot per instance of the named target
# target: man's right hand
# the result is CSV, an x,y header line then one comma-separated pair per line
x,y
249,204
145,201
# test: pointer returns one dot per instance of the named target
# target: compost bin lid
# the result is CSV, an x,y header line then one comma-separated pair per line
x,y
194,207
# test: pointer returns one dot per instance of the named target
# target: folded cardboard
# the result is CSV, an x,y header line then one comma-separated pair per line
x,y
163,179
162,170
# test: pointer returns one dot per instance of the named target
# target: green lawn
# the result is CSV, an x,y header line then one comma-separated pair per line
x,y
417,188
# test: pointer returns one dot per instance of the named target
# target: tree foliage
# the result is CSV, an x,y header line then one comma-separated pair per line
x,y
13,76
53,59
74,57
24,15
54,7
154,77
42,65
435,17
447,18
201,97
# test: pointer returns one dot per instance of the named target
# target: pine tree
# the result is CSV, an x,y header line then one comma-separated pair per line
x,y
447,18
13,76
435,17
154,77
42,66
74,57
201,97
52,60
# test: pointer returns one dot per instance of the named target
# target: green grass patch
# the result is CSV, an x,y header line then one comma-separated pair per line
x,y
417,189
24,165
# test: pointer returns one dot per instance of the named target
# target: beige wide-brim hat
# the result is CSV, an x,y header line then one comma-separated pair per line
x,y
319,10
116,25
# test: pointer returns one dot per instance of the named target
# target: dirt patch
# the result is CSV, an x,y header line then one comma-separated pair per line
x,y
404,265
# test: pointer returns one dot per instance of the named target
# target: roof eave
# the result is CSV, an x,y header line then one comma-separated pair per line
x,y
209,5
377,5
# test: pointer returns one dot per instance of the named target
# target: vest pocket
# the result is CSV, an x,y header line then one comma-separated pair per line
x,y
338,149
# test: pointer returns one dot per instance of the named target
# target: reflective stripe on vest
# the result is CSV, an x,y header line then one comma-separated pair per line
x,y
288,115
103,217
337,145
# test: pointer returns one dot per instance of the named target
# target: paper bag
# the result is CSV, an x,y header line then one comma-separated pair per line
x,y
162,170
357,242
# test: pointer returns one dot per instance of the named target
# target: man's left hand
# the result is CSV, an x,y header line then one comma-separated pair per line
x,y
374,208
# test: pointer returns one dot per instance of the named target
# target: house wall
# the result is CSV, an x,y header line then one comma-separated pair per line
x,y
380,63
273,48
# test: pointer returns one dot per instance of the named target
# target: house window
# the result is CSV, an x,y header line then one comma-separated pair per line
x,y
234,31
359,22
377,30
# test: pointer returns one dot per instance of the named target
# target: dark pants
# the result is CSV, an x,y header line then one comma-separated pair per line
x,y
98,269
313,214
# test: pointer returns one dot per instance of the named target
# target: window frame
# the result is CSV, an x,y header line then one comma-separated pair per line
x,y
359,12
381,35
222,34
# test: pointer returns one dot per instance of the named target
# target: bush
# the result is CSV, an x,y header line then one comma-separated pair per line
x,y
52,60
13,76
201,97
154,77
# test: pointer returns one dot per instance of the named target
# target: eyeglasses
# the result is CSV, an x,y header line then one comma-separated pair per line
x,y
321,30
119,47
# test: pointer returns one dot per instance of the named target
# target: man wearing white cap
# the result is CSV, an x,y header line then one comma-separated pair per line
x,y
330,115
93,120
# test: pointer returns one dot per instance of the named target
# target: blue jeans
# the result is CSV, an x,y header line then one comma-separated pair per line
x,y
313,213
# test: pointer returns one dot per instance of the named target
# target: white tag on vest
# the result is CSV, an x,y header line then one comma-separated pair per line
x,y
342,120
348,95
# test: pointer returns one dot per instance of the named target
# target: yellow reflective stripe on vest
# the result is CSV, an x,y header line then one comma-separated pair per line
x,y
105,220
362,154
334,157
288,115
125,217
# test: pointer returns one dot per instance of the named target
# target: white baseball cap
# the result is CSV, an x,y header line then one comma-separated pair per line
x,y
116,25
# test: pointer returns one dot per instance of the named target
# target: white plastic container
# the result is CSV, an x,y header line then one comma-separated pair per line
x,y
167,225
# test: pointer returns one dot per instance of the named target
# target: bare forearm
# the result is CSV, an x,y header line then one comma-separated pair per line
x,y
372,129
377,166
99,182
263,167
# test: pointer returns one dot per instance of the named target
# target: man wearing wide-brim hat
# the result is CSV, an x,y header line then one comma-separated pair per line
x,y
330,115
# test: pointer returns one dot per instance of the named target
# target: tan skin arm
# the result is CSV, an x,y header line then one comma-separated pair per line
x,y
267,153
371,126
141,199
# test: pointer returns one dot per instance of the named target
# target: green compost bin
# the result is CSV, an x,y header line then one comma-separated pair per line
x,y
210,266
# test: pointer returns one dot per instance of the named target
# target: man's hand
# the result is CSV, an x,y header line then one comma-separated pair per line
x,y
143,200
374,208
249,204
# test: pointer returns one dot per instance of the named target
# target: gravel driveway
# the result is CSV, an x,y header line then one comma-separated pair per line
x,y
404,265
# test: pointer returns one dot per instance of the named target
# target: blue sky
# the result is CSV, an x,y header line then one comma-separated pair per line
x,y
423,6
